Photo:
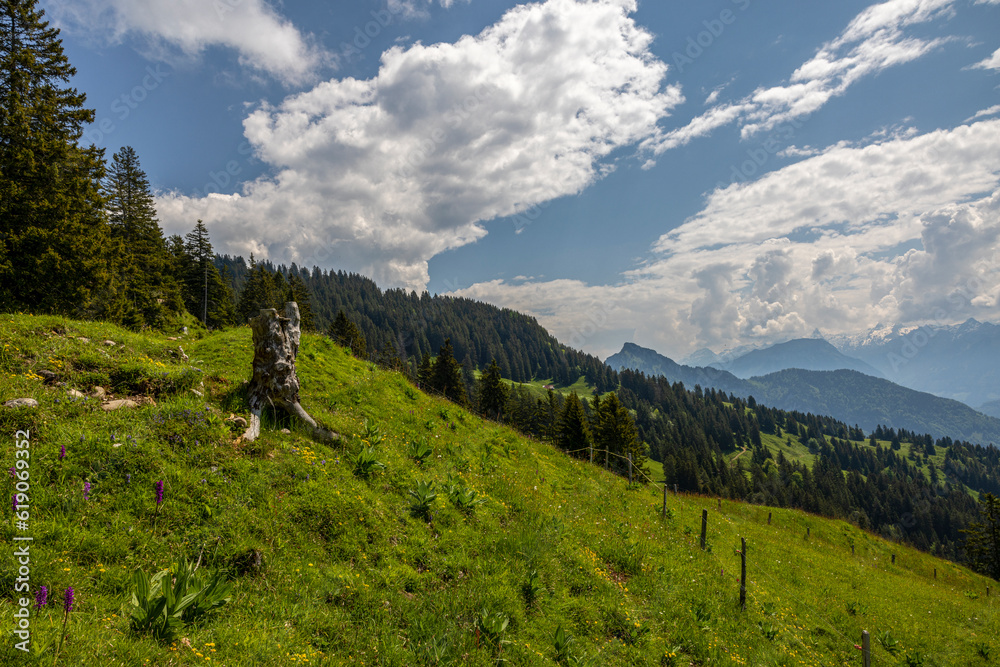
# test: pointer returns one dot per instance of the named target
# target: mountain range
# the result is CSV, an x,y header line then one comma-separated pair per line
x,y
848,394
958,361
806,353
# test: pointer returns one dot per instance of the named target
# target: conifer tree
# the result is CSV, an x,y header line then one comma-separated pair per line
x,y
299,293
141,264
424,371
446,375
616,432
52,227
983,542
344,332
205,294
492,393
573,434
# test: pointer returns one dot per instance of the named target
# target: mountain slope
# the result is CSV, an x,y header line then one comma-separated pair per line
x,y
868,401
652,363
835,393
958,361
806,353
329,567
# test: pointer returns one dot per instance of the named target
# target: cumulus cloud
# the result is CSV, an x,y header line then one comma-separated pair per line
x,y
875,40
264,40
902,230
380,175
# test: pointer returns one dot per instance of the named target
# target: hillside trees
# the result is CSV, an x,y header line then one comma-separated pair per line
x,y
146,290
446,375
615,432
205,294
492,393
52,226
573,433
983,542
344,332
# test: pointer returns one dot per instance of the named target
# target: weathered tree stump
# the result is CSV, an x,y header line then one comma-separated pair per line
x,y
274,382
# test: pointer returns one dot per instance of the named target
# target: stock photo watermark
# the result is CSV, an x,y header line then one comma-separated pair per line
x,y
21,503
227,173
701,42
127,102
963,295
363,35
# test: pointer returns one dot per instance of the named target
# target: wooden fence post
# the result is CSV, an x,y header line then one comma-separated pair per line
x,y
704,527
630,468
675,489
852,549
720,504
664,499
743,573
769,518
866,649
591,452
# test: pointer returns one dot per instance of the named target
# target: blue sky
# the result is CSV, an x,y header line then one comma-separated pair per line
x,y
681,175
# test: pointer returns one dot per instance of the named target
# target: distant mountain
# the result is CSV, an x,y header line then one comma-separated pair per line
x,y
653,363
992,409
861,399
847,395
702,357
811,354
960,361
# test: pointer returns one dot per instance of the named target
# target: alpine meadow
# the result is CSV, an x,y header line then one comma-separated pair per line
x,y
310,332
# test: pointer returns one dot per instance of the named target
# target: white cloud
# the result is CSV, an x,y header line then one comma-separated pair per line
x,y
982,113
904,230
380,175
872,42
993,62
418,8
264,40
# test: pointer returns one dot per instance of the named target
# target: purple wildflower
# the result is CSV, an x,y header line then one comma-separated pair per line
x,y
13,473
86,490
68,600
128,478
14,498
159,492
42,597
62,452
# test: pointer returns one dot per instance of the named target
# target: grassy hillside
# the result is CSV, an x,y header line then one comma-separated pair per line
x,y
332,568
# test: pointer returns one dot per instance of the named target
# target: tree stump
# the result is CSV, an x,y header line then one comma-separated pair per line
x,y
274,382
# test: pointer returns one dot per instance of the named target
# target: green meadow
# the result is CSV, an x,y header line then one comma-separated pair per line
x,y
424,536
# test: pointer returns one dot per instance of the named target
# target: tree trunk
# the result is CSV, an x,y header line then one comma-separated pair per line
x,y
274,382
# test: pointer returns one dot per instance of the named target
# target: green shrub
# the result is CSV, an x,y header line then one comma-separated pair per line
x,y
161,609
423,495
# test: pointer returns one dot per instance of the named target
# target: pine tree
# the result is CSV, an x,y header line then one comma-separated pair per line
x,y
617,433
573,434
141,263
344,332
446,375
424,371
299,293
983,542
492,393
206,295
52,226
